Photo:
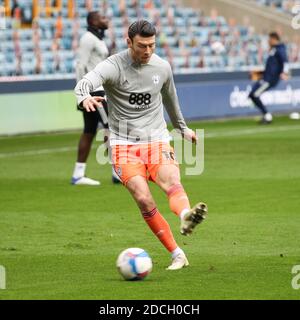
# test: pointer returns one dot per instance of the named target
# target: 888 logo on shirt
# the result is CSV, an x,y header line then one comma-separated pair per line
x,y
140,100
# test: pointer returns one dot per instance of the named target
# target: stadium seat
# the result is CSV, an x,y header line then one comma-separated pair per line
x,y
192,27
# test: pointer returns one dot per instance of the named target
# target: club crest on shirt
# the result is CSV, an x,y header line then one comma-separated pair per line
x,y
156,79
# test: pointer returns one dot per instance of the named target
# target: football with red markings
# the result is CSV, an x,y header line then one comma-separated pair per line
x,y
134,264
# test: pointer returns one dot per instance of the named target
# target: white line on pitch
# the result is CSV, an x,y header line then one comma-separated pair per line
x,y
233,133
36,152
242,132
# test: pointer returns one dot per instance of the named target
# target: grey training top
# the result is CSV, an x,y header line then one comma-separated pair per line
x,y
136,94
91,51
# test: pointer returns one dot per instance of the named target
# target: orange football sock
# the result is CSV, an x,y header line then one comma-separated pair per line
x,y
178,199
160,228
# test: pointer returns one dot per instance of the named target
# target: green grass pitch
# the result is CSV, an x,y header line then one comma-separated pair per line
x,y
58,241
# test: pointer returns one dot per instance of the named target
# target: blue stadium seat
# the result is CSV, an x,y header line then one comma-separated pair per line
x,y
196,30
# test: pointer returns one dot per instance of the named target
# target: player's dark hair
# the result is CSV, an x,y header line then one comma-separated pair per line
x,y
142,28
91,17
274,35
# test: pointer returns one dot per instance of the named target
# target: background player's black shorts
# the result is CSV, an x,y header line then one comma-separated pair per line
x,y
91,119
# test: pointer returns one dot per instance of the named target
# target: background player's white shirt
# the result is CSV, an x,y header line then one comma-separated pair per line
x,y
136,94
91,52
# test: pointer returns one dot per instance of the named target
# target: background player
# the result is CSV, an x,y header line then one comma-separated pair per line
x,y
276,69
92,50
138,83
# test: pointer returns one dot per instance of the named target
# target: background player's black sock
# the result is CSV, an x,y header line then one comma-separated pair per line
x,y
259,104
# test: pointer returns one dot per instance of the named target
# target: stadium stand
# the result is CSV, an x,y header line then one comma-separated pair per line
x,y
41,37
284,6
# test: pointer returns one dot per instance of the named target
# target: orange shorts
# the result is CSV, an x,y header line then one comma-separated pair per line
x,y
141,160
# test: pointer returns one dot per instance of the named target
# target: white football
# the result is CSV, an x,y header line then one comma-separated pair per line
x,y
218,47
134,264
295,116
